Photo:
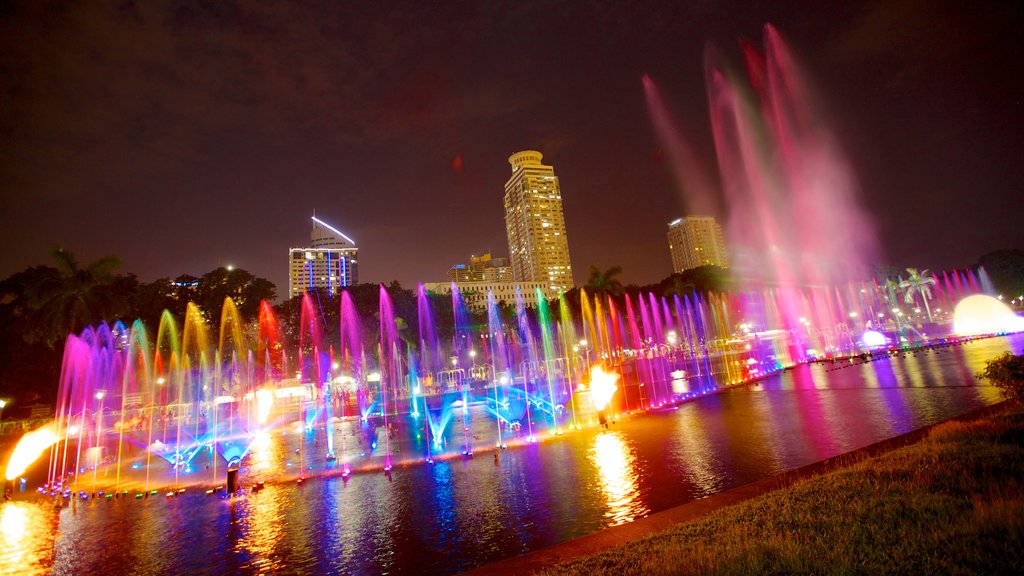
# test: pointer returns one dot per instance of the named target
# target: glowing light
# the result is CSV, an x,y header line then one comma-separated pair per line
x,y
602,386
373,377
982,314
14,524
873,339
333,229
29,448
291,392
264,402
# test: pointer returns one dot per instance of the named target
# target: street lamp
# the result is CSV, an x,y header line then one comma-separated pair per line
x,y
2,404
586,350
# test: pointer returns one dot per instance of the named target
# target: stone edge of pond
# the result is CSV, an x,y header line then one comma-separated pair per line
x,y
602,540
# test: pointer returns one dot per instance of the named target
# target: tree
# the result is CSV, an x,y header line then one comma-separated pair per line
x,y
702,279
918,282
1007,374
152,298
604,282
245,289
75,297
890,287
25,368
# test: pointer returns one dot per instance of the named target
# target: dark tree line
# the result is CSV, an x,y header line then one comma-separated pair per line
x,y
40,306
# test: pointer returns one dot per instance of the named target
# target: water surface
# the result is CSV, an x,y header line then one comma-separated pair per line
x,y
462,513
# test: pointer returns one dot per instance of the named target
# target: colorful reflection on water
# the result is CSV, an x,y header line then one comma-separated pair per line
x,y
618,476
465,512
27,532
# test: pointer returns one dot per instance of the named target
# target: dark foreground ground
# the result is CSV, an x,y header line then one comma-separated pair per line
x,y
945,500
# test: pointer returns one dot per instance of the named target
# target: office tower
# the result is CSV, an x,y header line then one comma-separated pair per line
x,y
329,262
537,243
696,241
482,268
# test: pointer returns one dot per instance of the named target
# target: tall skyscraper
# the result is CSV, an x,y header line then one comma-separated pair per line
x,y
696,241
537,243
329,261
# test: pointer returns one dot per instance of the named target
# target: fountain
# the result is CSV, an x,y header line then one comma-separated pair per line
x,y
197,404
187,408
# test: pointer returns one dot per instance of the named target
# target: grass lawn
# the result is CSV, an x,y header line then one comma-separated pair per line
x,y
950,504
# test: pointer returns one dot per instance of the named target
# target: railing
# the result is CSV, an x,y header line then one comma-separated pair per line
x,y
19,426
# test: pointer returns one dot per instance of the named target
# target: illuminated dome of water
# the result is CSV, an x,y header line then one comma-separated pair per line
x,y
873,339
982,314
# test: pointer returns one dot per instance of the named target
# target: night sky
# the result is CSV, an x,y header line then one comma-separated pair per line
x,y
185,136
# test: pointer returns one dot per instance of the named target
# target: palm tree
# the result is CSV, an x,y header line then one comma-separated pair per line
x,y
74,297
601,283
890,287
918,283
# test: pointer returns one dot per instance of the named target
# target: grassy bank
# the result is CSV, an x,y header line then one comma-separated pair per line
x,y
951,504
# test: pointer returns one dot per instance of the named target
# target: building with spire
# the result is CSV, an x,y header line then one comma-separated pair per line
x,y
696,241
534,222
330,261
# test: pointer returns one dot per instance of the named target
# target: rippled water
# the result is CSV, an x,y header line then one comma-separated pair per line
x,y
459,514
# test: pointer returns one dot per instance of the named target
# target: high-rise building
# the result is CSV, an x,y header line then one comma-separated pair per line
x,y
482,268
329,261
696,241
537,243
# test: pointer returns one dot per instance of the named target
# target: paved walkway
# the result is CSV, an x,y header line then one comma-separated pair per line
x,y
616,536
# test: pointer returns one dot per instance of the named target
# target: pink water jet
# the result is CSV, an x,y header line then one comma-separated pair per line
x,y
794,215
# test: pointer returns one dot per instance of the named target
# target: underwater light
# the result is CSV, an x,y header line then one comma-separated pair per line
x,y
873,339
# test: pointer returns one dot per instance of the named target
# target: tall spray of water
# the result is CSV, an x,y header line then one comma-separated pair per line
x,y
793,212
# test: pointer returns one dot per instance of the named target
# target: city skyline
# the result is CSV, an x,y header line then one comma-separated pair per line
x,y
182,139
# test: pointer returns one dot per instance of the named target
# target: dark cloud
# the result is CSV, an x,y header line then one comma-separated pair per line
x,y
181,135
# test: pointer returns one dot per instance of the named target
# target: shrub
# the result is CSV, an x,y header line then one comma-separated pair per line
x,y
1006,373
